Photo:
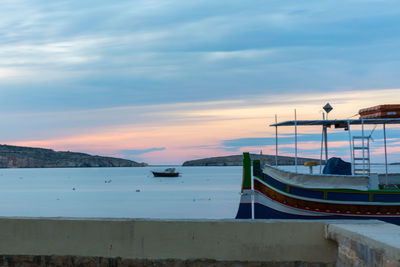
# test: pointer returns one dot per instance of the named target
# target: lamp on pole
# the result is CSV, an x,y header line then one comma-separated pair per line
x,y
327,109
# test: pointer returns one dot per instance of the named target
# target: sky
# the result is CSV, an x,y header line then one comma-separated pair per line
x,y
163,82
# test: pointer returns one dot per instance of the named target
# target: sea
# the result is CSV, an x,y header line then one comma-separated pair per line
x,y
199,193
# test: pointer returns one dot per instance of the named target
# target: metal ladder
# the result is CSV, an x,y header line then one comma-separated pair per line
x,y
361,155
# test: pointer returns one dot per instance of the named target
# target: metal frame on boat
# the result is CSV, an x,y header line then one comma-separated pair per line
x,y
270,192
345,124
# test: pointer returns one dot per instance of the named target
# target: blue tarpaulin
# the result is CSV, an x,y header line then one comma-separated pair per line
x,y
337,166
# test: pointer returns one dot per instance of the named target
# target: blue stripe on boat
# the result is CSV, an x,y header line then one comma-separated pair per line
x,y
348,196
294,190
275,183
244,211
307,193
386,197
264,212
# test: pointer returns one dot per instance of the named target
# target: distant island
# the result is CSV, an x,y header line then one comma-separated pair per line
x,y
29,157
237,160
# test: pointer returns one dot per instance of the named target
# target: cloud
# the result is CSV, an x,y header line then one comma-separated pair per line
x,y
213,127
136,152
69,54
96,75
283,140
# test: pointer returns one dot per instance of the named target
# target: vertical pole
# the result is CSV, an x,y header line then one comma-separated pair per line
x,y
253,195
322,145
362,143
326,143
369,156
351,148
276,141
386,163
295,139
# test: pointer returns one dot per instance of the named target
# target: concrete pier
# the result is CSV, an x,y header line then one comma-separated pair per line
x,y
372,243
134,242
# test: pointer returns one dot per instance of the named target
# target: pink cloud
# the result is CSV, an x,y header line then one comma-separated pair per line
x,y
184,129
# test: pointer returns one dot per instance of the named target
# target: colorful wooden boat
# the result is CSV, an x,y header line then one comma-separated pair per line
x,y
269,192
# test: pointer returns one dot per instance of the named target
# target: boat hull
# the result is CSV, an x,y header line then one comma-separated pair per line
x,y
272,193
269,203
165,174
266,212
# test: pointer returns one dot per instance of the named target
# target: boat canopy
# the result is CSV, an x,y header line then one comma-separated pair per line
x,y
319,181
336,123
345,124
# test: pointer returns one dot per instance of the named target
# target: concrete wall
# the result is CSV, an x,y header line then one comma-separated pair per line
x,y
371,243
230,240
126,242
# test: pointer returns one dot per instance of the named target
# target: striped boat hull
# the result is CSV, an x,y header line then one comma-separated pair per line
x,y
274,199
265,207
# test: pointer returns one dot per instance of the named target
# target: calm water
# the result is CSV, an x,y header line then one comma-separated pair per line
x,y
201,192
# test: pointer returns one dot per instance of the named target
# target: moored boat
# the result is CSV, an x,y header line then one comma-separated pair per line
x,y
269,192
169,172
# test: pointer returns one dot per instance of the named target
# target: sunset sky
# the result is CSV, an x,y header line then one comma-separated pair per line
x,y
167,81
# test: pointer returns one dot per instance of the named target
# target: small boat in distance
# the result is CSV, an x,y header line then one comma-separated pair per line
x,y
169,172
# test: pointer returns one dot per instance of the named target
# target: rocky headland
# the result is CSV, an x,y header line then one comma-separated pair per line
x,y
237,160
29,157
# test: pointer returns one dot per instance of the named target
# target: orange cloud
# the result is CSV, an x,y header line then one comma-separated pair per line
x,y
184,128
